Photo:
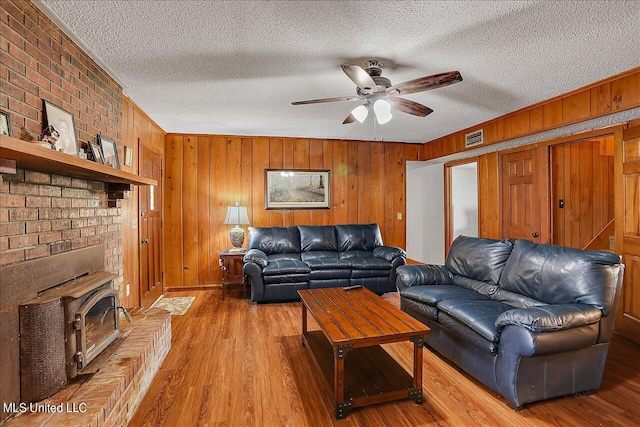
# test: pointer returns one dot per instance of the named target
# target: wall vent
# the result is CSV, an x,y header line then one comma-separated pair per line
x,y
474,138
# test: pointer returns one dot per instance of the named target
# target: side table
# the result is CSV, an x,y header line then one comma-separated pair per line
x,y
227,259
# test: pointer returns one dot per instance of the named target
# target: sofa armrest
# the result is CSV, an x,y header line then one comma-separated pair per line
x,y
550,318
388,252
256,256
423,274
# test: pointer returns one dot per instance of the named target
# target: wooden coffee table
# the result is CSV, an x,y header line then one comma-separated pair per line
x,y
356,322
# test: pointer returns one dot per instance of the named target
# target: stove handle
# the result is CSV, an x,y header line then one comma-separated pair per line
x,y
126,313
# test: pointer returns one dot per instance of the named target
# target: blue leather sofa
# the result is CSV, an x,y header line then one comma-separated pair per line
x,y
281,260
530,321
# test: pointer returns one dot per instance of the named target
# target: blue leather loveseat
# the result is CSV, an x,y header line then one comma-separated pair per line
x,y
282,260
530,321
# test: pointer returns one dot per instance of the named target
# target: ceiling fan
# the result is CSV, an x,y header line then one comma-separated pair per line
x,y
378,92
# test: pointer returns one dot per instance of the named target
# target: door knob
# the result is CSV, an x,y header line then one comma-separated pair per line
x,y
534,234
145,241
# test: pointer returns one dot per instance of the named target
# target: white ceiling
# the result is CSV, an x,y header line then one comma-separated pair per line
x,y
234,67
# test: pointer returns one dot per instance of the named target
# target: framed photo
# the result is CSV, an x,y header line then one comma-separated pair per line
x,y
297,189
96,153
5,124
128,156
109,152
62,121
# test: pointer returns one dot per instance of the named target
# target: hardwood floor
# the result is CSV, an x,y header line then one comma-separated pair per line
x,y
234,363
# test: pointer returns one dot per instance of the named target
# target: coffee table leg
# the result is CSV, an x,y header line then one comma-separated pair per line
x,y
418,344
341,406
304,322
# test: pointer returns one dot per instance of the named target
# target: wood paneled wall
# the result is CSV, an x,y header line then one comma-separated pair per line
x,y
583,177
489,195
206,173
617,93
137,129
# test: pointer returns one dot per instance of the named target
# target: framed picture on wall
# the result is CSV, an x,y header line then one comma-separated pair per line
x,y
5,124
297,189
62,122
109,152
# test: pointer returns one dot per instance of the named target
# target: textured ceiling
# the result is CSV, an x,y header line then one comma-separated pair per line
x,y
234,67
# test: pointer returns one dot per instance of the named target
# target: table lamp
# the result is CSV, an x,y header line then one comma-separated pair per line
x,y
236,215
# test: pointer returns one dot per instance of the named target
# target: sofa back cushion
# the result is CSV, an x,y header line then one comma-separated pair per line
x,y
317,238
363,237
479,259
274,240
559,275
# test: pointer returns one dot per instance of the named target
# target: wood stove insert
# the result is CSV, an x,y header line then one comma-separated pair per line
x,y
63,330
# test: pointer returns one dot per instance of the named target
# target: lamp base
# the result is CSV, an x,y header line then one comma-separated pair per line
x,y
237,237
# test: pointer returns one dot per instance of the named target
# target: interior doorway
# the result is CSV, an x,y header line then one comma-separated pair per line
x,y
582,193
461,200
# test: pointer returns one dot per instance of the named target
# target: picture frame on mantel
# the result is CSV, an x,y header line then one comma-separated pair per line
x,y
109,152
63,122
96,153
297,189
5,124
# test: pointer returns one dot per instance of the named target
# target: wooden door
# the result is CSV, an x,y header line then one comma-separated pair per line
x,y
628,231
151,271
520,206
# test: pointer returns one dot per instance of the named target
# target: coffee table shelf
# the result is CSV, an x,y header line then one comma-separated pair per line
x,y
371,374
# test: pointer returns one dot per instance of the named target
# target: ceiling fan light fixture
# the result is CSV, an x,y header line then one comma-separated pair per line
x,y
382,110
360,113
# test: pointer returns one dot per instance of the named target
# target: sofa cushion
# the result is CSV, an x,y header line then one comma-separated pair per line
x,y
355,254
476,314
285,266
358,263
560,275
327,263
286,279
433,294
550,318
365,237
481,287
513,299
480,259
317,238
274,240
333,273
304,256
365,272
277,257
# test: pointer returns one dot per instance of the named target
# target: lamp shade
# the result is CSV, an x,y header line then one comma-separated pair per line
x,y
382,110
236,215
360,113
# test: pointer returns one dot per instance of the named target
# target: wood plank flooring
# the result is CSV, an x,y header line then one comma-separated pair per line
x,y
234,363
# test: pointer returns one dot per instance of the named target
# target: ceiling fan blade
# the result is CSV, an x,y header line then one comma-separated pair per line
x,y
409,107
425,83
349,119
360,77
318,101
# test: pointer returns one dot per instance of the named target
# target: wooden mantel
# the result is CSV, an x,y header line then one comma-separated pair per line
x,y
32,157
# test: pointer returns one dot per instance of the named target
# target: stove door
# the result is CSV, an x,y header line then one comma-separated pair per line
x,y
97,325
